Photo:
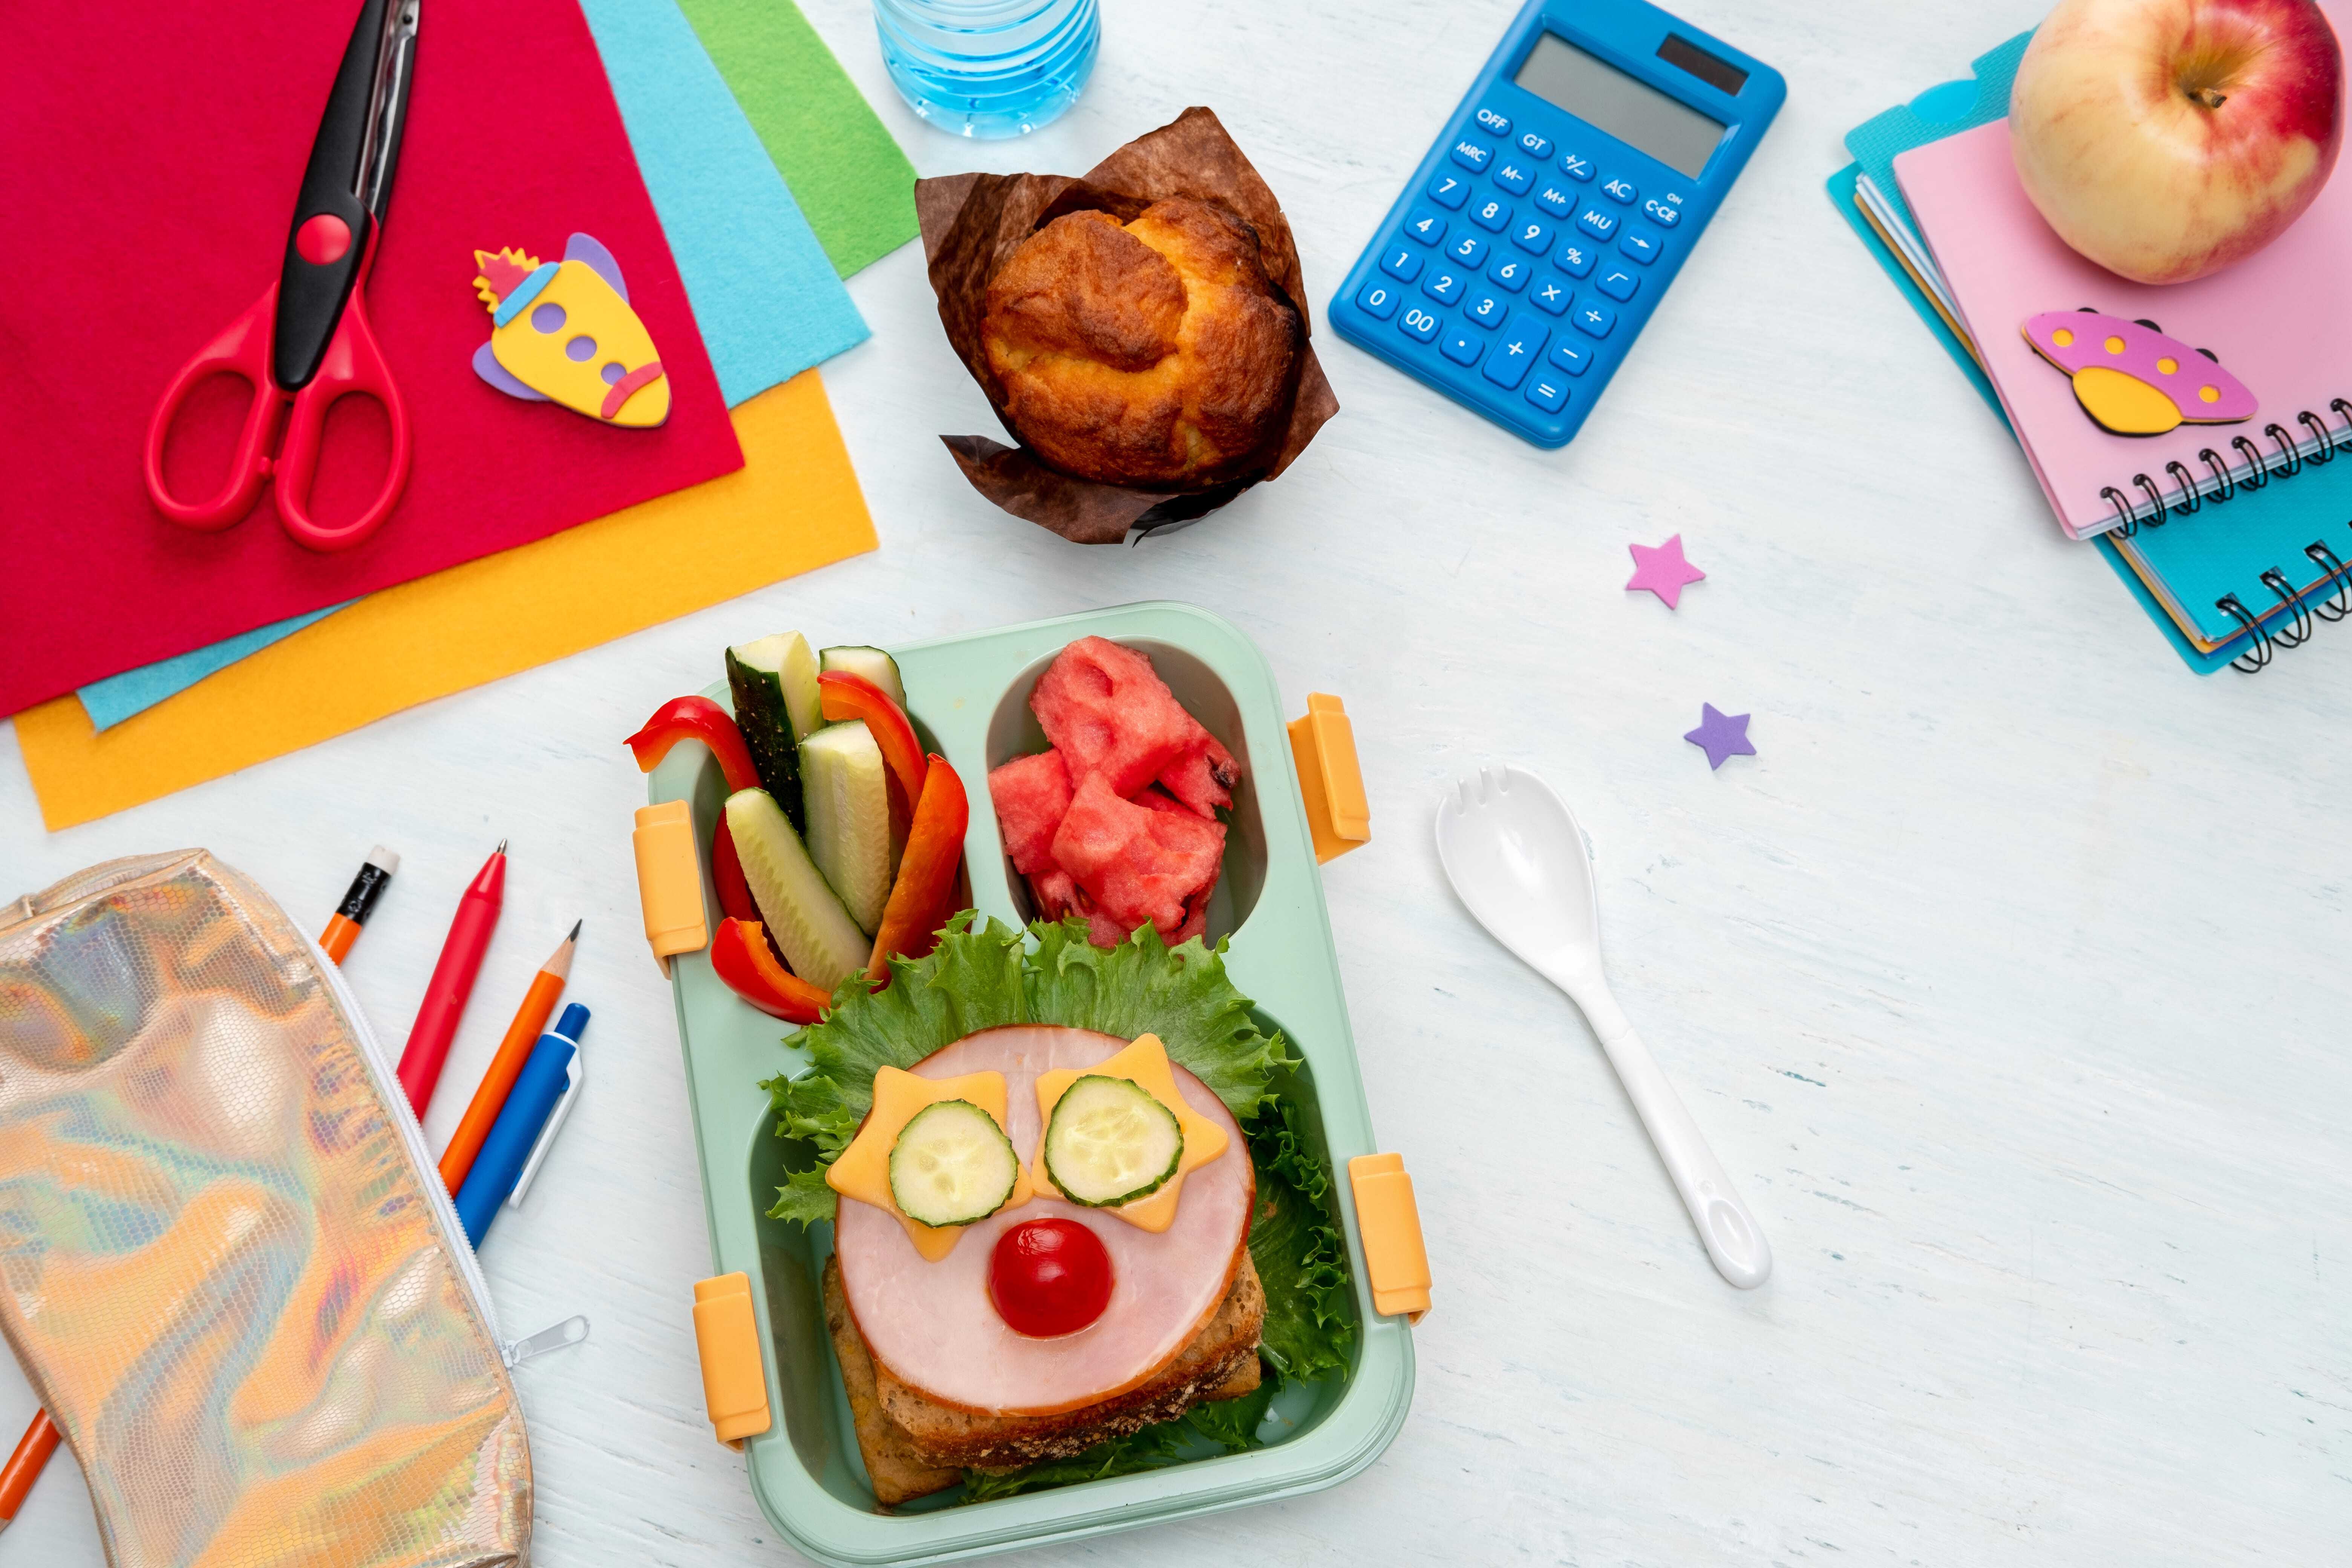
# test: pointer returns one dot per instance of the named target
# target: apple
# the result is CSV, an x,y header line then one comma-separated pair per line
x,y
2166,139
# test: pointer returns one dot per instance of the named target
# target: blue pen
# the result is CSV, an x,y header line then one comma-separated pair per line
x,y
510,1153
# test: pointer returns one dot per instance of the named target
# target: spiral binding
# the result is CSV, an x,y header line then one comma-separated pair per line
x,y
2329,600
2262,468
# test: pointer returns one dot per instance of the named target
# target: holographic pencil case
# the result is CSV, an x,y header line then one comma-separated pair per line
x,y
227,1263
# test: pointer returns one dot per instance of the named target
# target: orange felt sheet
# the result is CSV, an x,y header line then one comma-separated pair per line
x,y
794,506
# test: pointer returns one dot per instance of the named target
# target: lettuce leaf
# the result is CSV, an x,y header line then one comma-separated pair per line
x,y
984,979
1148,1449
1233,1424
1301,1259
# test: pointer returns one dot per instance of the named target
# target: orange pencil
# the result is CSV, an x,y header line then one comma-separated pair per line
x,y
343,925
23,1466
529,1022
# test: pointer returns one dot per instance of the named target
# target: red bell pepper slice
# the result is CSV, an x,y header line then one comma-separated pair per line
x,y
727,878
741,956
696,718
924,895
842,695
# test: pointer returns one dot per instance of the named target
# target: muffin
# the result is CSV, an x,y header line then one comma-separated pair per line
x,y
1155,353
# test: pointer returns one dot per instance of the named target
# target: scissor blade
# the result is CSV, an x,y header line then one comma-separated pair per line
x,y
388,107
328,241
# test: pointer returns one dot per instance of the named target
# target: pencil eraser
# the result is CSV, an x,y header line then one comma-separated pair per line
x,y
384,859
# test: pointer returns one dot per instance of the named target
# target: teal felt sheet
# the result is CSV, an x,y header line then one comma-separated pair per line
x,y
109,701
766,297
765,294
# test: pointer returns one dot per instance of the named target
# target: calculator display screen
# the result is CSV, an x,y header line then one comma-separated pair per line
x,y
1635,112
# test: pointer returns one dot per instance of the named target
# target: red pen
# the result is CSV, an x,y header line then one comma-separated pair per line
x,y
452,982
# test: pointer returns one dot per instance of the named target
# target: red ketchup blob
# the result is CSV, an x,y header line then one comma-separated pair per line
x,y
1049,1278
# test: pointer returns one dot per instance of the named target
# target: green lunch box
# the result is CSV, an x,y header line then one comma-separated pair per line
x,y
968,696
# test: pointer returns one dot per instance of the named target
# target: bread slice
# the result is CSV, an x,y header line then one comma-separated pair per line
x,y
898,1473
913,1444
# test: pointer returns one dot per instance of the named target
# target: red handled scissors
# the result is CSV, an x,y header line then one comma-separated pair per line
x,y
307,342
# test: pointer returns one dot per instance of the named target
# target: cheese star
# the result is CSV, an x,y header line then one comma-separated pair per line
x,y
1145,1065
862,1171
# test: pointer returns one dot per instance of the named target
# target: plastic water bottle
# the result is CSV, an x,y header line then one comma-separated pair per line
x,y
989,67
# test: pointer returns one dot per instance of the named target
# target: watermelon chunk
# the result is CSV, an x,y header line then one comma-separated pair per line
x,y
1031,794
1138,864
1196,918
1203,777
1159,799
1108,712
1056,894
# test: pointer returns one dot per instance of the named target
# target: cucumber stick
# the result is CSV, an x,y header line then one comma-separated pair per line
x,y
773,682
847,791
1109,1141
811,929
870,662
953,1164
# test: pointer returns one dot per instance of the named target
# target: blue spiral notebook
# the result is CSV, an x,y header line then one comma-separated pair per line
x,y
2230,587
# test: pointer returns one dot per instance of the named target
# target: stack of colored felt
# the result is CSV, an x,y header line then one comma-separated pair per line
x,y
759,273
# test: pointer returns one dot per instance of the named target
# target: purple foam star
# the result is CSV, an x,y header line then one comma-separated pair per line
x,y
1720,735
1662,569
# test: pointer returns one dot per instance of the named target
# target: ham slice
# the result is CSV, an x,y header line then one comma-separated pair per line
x,y
932,1324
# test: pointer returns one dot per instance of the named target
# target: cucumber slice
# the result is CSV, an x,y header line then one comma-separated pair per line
x,y
953,1164
788,662
846,789
870,662
767,728
811,929
1111,1142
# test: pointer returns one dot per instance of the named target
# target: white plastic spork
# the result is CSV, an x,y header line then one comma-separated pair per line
x,y
1515,854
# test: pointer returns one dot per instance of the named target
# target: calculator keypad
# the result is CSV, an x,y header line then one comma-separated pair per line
x,y
1574,257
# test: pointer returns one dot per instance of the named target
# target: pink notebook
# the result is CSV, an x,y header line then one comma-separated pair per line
x,y
2280,322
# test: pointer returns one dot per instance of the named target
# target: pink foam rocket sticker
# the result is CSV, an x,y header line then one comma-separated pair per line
x,y
2133,380
563,332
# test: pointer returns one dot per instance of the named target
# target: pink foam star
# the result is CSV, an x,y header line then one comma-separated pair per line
x,y
1662,571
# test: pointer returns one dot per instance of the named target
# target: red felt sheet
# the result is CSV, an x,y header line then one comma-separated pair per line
x,y
153,157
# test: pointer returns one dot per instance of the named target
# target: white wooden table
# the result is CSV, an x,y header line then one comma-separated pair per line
x,y
2009,979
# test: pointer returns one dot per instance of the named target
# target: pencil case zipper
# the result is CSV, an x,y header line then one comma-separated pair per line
x,y
511,1352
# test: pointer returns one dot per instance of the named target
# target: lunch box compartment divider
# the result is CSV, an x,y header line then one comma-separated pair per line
x,y
968,696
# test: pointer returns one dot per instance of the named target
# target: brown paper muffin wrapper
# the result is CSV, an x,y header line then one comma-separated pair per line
x,y
973,223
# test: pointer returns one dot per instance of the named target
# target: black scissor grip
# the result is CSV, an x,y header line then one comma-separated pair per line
x,y
330,233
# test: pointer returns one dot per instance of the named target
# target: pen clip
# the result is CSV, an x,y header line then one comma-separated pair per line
x,y
576,1076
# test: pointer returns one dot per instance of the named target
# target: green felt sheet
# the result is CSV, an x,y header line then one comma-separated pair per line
x,y
852,183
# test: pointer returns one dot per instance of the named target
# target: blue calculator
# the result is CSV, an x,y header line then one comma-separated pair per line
x,y
1530,247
